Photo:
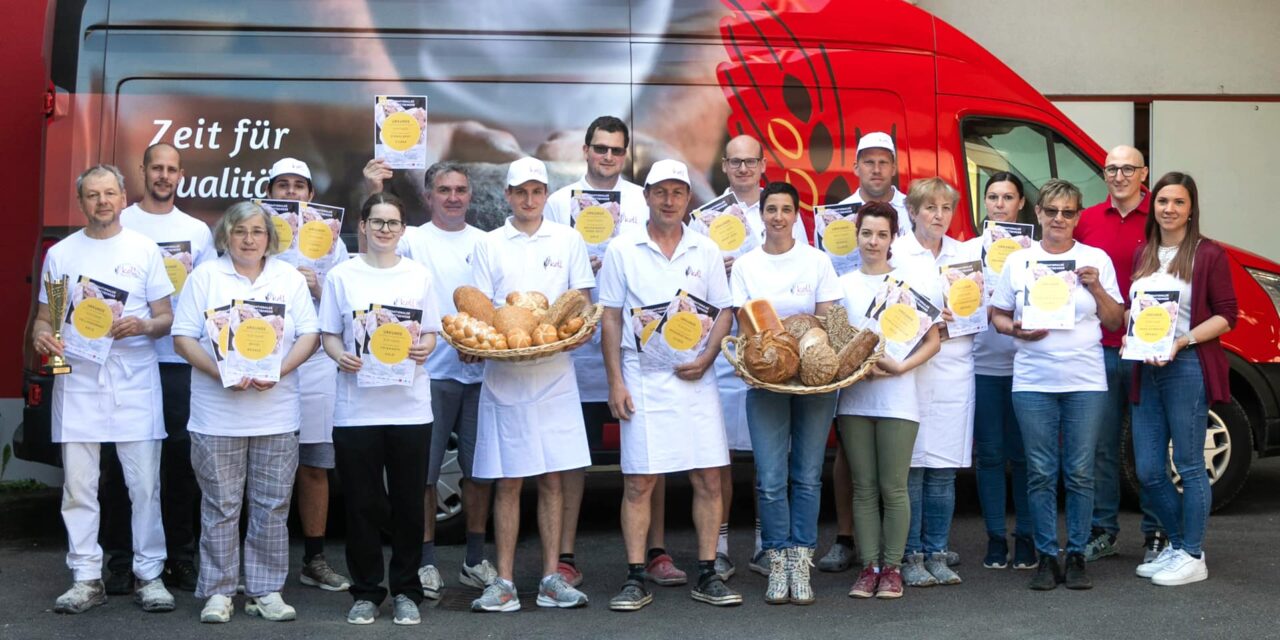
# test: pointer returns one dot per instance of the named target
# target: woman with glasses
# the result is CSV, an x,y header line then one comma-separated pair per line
x,y
382,305
1174,393
1059,388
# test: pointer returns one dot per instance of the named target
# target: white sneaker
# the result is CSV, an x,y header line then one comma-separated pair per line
x,y
217,609
82,596
271,607
153,597
1148,569
1184,568
478,576
432,583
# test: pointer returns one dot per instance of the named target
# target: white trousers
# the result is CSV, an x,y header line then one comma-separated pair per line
x,y
81,512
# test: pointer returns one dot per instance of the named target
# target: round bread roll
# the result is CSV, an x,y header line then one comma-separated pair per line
x,y
499,343
469,341
571,303
571,326
518,339
856,352
447,322
818,361
473,329
531,300
771,356
473,302
510,318
457,333
545,334
800,323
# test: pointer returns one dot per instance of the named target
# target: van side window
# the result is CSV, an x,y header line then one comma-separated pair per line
x,y
1033,152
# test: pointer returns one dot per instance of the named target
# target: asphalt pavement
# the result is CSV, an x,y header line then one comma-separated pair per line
x,y
1239,599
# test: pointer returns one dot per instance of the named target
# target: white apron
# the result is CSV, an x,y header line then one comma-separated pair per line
x,y
318,388
733,405
945,389
676,425
530,419
119,401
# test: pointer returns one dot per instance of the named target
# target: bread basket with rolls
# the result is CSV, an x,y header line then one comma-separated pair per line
x,y
802,354
527,327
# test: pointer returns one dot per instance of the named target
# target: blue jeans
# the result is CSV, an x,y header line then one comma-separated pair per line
x,y
1060,435
933,502
1106,498
789,439
997,442
1173,407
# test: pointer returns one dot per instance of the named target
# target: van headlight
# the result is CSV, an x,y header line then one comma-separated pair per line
x,y
1270,282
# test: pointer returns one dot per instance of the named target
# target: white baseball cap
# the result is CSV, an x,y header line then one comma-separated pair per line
x,y
667,170
876,140
526,169
287,166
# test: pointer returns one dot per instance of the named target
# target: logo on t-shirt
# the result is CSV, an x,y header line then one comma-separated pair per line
x,y
802,289
273,296
551,263
129,270
690,272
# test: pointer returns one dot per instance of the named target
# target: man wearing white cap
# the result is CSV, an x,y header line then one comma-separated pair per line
x,y
670,413
530,422
290,179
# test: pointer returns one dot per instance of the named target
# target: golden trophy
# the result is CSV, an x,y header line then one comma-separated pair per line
x,y
56,292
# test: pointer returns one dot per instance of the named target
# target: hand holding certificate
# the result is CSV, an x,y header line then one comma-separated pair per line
x,y
902,316
597,215
400,131
1048,297
255,335
681,335
963,294
94,306
999,241
1153,319
835,232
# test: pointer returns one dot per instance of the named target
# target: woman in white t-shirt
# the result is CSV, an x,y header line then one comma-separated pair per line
x,y
788,432
878,418
1059,383
379,320
249,430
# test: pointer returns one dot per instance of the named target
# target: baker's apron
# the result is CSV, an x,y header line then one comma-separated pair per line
x,y
530,419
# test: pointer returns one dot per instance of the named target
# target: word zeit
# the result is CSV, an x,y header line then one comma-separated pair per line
x,y
233,182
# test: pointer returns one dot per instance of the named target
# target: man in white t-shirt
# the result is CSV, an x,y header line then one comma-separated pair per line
x,y
444,245
117,306
184,242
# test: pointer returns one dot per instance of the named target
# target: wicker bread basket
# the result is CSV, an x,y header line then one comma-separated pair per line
x,y
591,319
794,386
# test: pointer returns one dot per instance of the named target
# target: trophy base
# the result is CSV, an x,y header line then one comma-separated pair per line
x,y
55,370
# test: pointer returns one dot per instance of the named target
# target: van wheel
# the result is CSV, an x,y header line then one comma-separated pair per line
x,y
451,524
1228,454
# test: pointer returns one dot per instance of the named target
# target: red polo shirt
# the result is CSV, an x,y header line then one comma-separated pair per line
x,y
1103,227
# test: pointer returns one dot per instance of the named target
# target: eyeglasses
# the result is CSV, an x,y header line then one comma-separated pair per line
x,y
240,232
1067,214
749,163
604,149
1127,170
378,224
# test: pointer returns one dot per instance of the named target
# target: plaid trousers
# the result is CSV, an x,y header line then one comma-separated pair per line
x,y
222,465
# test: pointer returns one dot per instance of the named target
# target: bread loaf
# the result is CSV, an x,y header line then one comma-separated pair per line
x,y
799,323
757,316
571,303
570,327
545,334
518,339
839,331
818,362
474,303
771,356
510,318
531,300
856,352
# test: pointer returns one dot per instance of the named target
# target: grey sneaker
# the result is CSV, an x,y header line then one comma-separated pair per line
x,y
759,563
724,566
914,574
406,611
318,573
217,610
153,597
81,597
838,558
632,597
1152,547
1101,545
953,558
800,560
476,577
431,581
713,591
271,607
779,589
362,612
936,565
555,591
500,595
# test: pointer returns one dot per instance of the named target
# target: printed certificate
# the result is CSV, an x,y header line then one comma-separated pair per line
x,y
999,241
645,320
286,216
1153,319
319,232
682,333
597,215
217,331
835,231
901,315
400,131
1048,295
389,332
178,262
255,341
724,221
964,294
93,307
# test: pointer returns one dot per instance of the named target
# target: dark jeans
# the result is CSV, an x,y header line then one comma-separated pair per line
x,y
997,442
179,492
364,455
1106,483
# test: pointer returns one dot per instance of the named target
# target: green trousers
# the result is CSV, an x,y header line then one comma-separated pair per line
x,y
879,455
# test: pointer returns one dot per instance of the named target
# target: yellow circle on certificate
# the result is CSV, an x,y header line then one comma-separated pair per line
x,y
284,234
840,238
999,251
899,323
390,343
255,339
177,272
683,331
727,232
1050,293
401,131
595,223
648,331
1152,324
315,239
223,334
92,318
964,297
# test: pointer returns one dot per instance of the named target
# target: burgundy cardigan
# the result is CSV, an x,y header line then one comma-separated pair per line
x,y
1212,294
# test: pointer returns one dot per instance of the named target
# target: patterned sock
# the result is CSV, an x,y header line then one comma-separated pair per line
x,y
758,545
722,542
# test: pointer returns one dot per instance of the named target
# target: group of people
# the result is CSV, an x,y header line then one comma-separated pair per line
x,y
1044,403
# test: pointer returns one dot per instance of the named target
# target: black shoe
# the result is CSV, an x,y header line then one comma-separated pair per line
x,y
1048,574
119,583
180,574
1076,578
997,553
712,590
632,597
1024,553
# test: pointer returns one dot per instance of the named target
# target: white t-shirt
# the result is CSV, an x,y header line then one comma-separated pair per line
x,y
794,282
128,261
447,255
637,274
891,397
551,260
354,285
1162,280
168,230
216,411
1064,360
